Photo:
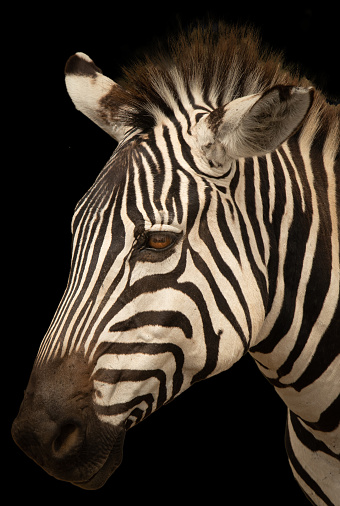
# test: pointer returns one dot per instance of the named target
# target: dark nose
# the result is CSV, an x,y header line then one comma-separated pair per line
x,y
67,439
58,427
44,439
48,434
55,418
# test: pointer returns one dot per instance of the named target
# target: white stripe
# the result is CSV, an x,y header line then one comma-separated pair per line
x,y
259,216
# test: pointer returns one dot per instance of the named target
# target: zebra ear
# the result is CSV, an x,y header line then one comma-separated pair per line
x,y
253,125
88,88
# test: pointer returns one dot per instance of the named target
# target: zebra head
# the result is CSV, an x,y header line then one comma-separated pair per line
x,y
169,281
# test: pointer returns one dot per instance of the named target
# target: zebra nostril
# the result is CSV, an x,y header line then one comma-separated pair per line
x,y
68,439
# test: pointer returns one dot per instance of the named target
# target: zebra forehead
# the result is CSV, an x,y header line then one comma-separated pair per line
x,y
145,159
148,189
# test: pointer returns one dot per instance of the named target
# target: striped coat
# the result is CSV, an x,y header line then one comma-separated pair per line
x,y
211,232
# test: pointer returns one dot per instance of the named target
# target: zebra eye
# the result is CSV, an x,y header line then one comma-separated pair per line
x,y
159,240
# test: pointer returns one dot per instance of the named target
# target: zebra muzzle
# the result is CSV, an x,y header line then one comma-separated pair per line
x,y
59,429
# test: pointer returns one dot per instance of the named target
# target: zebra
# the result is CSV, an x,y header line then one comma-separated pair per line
x,y
212,232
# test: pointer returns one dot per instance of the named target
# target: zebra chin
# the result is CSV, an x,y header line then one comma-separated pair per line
x,y
57,426
99,478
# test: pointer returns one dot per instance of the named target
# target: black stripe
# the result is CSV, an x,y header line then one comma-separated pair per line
x,y
170,319
251,205
221,301
138,414
116,246
142,183
329,419
114,376
174,190
302,473
296,245
119,408
308,439
148,349
275,229
206,237
224,228
79,258
258,274
327,350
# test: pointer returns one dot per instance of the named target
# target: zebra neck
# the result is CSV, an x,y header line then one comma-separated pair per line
x,y
296,347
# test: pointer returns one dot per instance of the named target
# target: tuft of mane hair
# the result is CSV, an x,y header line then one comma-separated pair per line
x,y
214,61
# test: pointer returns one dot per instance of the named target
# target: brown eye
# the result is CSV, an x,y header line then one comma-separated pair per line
x,y
159,240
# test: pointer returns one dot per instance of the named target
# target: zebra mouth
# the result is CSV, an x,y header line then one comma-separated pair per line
x,y
113,461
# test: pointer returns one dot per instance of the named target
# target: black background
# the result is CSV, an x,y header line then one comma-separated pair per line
x,y
223,440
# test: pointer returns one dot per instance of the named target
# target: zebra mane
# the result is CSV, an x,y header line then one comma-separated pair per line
x,y
215,62
218,62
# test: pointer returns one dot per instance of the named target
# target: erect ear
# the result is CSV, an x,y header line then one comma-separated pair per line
x,y
253,125
88,87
